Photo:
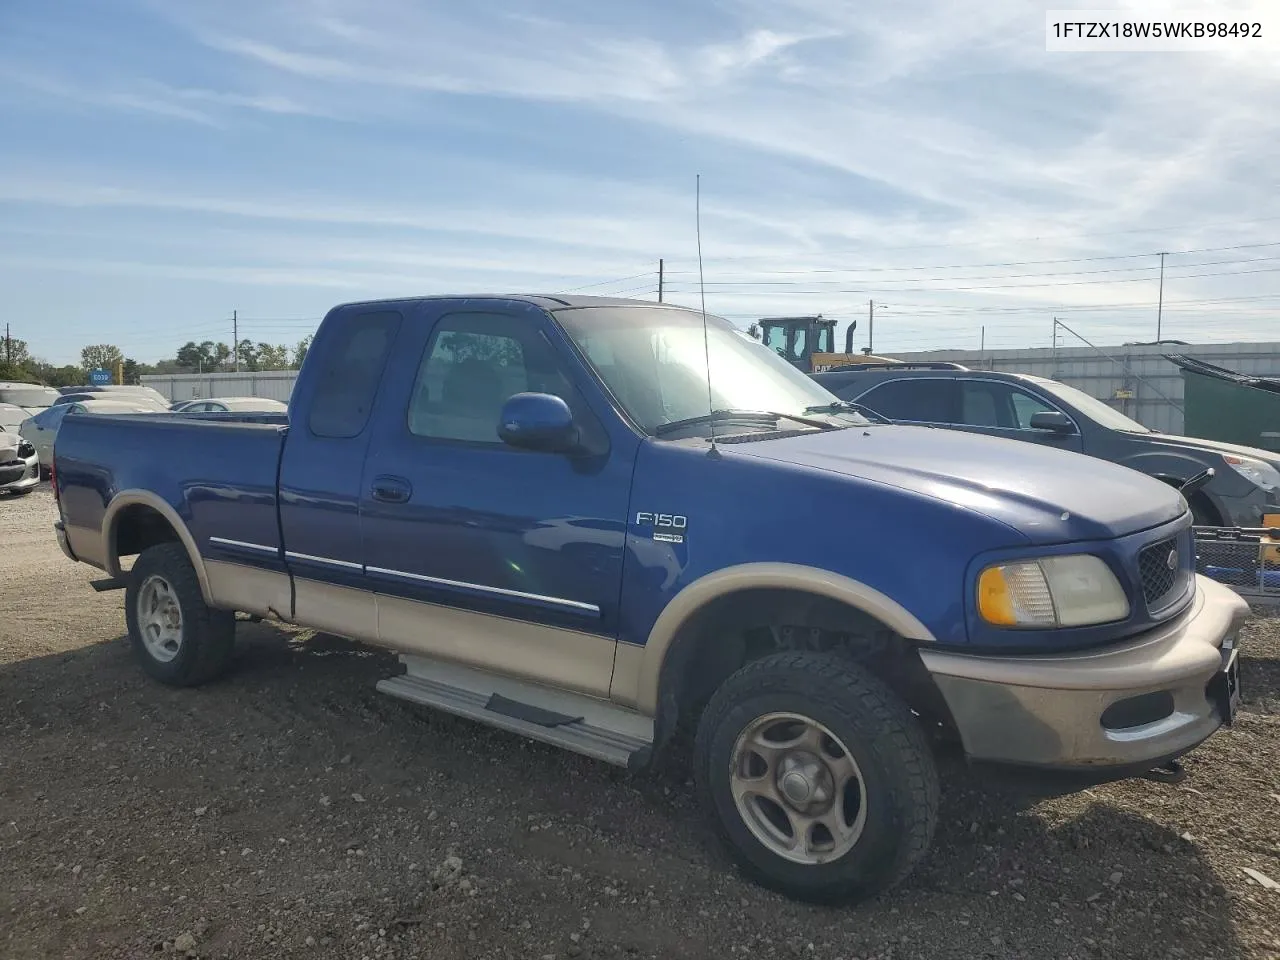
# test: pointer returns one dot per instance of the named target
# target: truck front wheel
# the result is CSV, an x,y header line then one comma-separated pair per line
x,y
176,636
817,776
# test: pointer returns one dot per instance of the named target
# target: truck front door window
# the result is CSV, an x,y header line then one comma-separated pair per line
x,y
472,366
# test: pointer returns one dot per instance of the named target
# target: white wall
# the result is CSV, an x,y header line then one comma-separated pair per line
x,y
276,384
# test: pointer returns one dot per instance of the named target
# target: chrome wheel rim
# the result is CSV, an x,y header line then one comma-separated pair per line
x,y
798,788
159,618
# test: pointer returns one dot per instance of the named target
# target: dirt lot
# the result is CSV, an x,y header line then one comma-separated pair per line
x,y
290,810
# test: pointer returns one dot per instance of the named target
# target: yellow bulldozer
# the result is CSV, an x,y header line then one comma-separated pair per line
x,y
808,343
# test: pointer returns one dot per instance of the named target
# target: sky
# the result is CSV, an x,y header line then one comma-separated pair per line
x,y
163,164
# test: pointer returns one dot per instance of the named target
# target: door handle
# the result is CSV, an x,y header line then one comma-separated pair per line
x,y
392,489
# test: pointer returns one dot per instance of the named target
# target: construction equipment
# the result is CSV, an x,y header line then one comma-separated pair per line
x,y
808,343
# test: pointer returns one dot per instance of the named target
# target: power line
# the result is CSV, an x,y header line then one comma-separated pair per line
x,y
1008,263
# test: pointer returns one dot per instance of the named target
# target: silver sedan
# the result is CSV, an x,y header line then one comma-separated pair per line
x,y
19,465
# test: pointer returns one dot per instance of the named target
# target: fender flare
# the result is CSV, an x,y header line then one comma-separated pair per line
x,y
129,498
647,673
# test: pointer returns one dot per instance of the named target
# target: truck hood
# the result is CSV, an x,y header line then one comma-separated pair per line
x,y
1050,496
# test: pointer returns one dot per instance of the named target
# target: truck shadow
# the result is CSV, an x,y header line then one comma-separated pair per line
x,y
297,723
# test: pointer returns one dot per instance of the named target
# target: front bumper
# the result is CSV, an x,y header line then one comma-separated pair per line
x,y
1048,711
19,475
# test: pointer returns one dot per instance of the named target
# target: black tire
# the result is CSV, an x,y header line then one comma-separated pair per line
x,y
207,635
1202,512
879,732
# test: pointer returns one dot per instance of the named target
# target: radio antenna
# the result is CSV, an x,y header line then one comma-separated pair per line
x,y
702,290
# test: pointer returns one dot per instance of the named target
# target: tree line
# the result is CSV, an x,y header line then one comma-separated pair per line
x,y
208,356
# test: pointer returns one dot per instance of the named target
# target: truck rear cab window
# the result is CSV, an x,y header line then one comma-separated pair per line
x,y
352,369
474,363
916,399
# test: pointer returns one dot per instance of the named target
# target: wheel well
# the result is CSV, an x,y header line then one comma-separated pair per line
x,y
1199,502
138,527
739,627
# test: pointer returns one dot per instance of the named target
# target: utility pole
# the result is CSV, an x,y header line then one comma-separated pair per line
x,y
235,337
8,344
1055,347
660,279
982,345
1160,304
871,328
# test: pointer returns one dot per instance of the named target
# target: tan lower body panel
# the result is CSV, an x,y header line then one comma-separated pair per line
x,y
237,586
344,611
568,659
628,665
86,544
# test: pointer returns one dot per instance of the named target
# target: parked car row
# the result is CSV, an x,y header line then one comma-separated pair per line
x,y
31,416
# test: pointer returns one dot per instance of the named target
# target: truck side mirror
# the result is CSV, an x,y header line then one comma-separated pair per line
x,y
1052,420
538,421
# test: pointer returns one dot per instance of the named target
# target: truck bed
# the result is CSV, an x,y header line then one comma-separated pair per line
x,y
217,472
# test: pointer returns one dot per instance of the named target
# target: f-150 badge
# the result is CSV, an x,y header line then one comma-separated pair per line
x,y
666,527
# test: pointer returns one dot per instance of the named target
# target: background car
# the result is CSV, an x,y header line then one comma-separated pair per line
x,y
12,415
42,429
126,393
1244,489
19,465
231,405
31,397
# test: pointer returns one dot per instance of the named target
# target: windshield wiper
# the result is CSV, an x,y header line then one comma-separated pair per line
x,y
764,417
839,405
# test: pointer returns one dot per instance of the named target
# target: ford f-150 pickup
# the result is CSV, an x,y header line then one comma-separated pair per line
x,y
605,523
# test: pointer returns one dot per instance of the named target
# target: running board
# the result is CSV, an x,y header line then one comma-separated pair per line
x,y
586,725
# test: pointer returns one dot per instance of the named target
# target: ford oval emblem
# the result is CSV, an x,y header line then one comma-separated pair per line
x,y
1171,561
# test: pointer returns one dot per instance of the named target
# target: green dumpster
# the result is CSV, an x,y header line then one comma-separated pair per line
x,y
1220,404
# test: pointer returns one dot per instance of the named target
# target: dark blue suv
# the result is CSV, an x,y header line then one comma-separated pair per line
x,y
1019,406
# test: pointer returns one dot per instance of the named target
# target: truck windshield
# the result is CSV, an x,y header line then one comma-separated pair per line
x,y
654,362
1091,407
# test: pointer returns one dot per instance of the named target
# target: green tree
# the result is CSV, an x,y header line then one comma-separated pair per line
x,y
300,351
14,352
203,357
135,371
248,355
273,357
499,351
100,355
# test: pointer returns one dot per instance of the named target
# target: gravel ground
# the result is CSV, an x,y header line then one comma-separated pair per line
x,y
289,810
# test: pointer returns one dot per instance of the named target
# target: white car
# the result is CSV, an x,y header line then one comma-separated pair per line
x,y
232,405
19,465
42,429
12,415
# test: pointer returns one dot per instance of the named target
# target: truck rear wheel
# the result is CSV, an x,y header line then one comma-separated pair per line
x,y
176,636
817,777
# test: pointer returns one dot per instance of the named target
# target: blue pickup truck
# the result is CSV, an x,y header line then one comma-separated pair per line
x,y
604,524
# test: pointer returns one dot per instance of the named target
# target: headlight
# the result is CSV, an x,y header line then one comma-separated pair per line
x,y
1255,471
1071,591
